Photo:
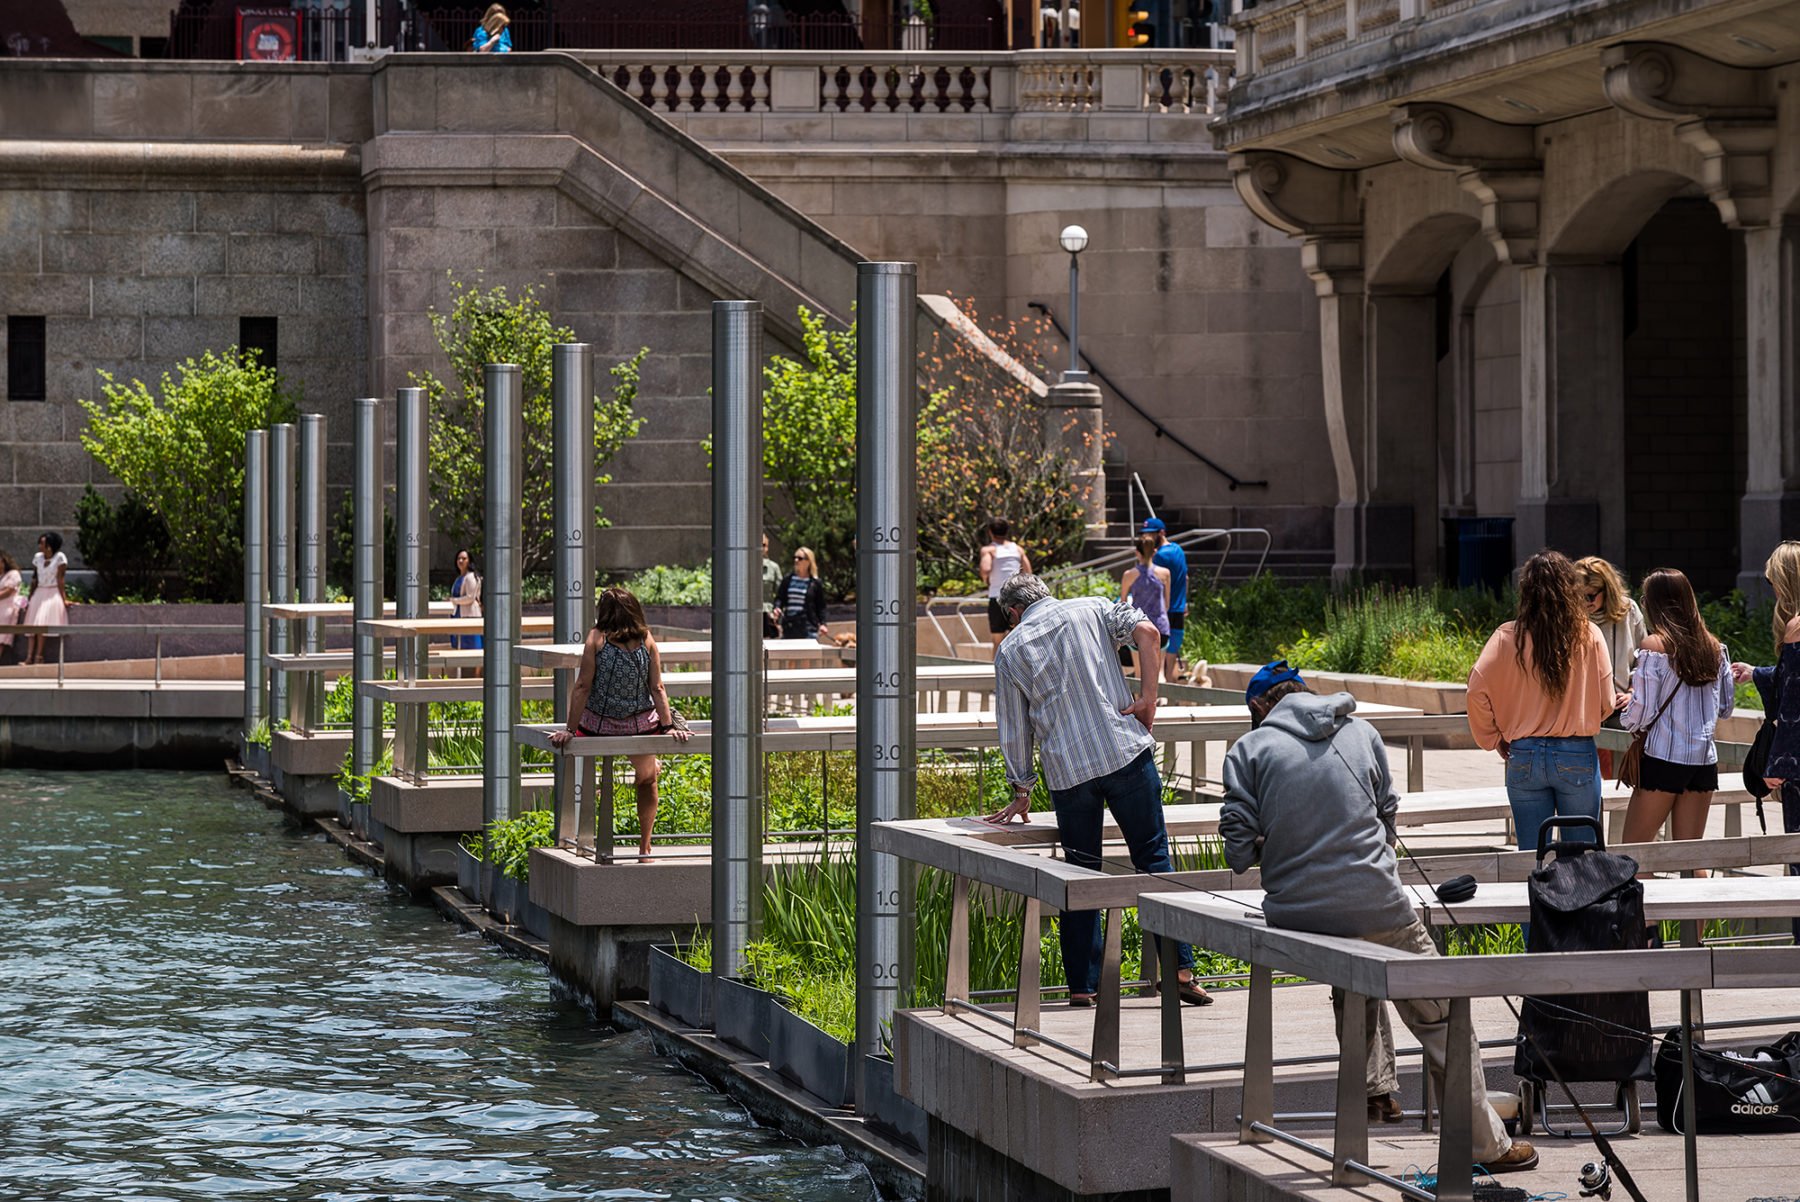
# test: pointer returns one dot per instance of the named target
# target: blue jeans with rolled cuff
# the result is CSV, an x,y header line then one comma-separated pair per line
x,y
1134,795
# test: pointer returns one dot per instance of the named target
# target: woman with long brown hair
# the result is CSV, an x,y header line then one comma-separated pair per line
x,y
619,691
1779,687
1538,693
1681,687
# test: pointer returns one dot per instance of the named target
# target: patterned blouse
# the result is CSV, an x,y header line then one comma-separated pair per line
x,y
1684,733
621,681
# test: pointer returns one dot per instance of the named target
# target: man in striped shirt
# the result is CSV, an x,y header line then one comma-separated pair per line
x,y
1059,693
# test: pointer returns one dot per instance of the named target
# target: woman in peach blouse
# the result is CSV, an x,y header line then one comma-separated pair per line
x,y
1538,694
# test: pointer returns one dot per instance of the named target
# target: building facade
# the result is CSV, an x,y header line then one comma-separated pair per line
x,y
1553,247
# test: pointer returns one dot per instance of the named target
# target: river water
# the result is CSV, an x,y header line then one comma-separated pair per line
x,y
198,1001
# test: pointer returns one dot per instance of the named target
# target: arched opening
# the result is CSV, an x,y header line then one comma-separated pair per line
x,y
1685,413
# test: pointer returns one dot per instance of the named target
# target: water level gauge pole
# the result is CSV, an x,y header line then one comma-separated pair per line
x,y
368,531
281,555
256,499
886,700
412,537
572,520
737,780
311,564
500,595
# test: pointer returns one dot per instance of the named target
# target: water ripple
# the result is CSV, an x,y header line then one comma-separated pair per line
x,y
199,1002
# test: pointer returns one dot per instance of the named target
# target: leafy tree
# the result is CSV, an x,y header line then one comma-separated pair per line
x,y
485,327
982,451
182,452
127,544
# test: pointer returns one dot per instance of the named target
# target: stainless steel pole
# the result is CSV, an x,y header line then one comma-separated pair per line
x,y
737,777
369,536
505,433
281,555
312,556
886,598
412,535
256,499
572,519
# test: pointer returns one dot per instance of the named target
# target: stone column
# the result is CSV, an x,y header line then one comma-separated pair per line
x,y
1341,359
1770,510
1571,411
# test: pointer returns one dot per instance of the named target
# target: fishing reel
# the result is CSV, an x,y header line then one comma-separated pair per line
x,y
1595,1180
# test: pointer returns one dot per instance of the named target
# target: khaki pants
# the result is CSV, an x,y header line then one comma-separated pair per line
x,y
1429,1021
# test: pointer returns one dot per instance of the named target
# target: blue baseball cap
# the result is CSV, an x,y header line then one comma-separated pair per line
x,y
1153,526
1267,677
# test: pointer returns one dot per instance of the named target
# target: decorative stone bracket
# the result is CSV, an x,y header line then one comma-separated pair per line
x,y
1494,162
1727,113
1313,203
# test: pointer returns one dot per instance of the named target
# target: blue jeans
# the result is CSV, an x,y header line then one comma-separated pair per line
x,y
1546,777
1134,795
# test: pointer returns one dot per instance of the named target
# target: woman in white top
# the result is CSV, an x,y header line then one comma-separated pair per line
x,y
48,607
11,600
1621,626
1684,674
1001,560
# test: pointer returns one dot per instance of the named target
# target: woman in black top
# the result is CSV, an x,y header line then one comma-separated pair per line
x,y
801,599
1778,685
619,692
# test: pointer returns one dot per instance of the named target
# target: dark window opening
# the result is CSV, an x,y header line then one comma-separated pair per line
x,y
153,47
1628,282
25,358
257,334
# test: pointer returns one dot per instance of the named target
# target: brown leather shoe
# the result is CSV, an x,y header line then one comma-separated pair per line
x,y
1384,1109
1081,1001
1519,1158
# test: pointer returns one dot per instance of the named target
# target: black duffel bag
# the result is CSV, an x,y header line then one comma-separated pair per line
x,y
1732,1093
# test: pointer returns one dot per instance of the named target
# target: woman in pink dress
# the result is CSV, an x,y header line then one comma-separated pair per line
x,y
10,600
48,608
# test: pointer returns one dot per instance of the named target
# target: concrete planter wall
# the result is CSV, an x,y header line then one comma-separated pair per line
x,y
885,1109
807,1056
533,917
359,819
256,758
679,989
1429,696
343,810
741,1015
507,898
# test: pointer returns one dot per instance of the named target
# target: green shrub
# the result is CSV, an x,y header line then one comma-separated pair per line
x,y
340,550
485,327
181,451
673,586
128,544
509,842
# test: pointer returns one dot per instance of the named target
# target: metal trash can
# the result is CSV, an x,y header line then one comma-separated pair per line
x,y
1484,551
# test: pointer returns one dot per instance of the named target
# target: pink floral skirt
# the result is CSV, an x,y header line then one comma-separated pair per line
x,y
645,723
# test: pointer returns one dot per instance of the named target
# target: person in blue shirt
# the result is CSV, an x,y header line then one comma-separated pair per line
x,y
1172,557
492,36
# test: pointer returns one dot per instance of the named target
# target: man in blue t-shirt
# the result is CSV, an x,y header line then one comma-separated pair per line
x,y
1172,557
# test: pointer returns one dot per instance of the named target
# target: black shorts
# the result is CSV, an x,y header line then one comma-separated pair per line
x,y
1662,776
1177,621
998,623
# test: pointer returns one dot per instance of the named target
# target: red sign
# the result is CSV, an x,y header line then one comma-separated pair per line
x,y
268,35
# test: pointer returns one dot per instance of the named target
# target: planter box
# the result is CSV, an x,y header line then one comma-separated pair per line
x,y
359,819
679,989
256,758
809,1057
885,1109
344,819
533,917
741,1015
507,898
1427,696
468,873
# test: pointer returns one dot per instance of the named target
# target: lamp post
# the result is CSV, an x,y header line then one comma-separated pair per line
x,y
1074,239
1074,427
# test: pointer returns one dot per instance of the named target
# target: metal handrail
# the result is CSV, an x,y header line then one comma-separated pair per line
x,y
1136,482
140,629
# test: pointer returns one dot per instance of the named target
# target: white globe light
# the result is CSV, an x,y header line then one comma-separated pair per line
x,y
1073,239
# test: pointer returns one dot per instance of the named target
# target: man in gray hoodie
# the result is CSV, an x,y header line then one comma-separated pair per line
x,y
1308,792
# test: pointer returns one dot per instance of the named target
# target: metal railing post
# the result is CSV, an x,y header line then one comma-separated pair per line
x,y
412,537
886,598
368,571
281,555
311,562
737,777
256,499
572,519
505,433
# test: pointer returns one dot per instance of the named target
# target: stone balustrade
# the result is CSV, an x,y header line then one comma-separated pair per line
x,y
925,84
1280,35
